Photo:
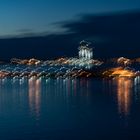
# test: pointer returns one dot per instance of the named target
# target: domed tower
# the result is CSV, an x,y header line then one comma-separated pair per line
x,y
85,52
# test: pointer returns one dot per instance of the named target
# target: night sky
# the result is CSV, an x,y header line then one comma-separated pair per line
x,y
52,28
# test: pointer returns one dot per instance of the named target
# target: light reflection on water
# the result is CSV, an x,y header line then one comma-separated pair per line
x,y
124,93
34,96
72,87
59,88
68,104
128,90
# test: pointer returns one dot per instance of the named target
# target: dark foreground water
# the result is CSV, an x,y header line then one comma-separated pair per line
x,y
69,109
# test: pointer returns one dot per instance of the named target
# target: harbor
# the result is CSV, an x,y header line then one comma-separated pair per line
x,y
82,66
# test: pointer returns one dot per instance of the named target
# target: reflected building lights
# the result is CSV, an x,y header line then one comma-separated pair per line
x,y
124,88
34,96
72,86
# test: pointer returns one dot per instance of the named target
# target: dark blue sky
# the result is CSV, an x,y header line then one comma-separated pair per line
x,y
35,16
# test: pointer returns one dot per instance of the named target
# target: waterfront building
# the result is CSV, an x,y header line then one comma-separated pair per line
x,y
85,52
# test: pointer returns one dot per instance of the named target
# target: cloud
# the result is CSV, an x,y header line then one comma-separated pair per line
x,y
112,35
110,25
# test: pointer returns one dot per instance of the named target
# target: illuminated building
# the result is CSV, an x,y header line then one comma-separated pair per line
x,y
123,61
84,51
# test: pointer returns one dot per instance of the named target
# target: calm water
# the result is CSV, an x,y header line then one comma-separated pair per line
x,y
57,109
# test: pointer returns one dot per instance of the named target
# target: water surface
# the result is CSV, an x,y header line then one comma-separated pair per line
x,y
57,109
